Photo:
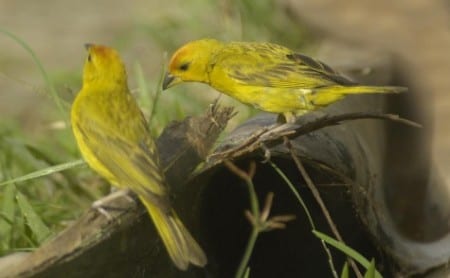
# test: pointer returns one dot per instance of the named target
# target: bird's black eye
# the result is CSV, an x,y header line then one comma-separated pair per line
x,y
184,66
89,58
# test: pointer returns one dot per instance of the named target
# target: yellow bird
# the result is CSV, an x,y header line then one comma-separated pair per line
x,y
268,76
114,139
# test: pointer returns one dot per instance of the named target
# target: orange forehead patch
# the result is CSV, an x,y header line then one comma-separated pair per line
x,y
100,50
177,56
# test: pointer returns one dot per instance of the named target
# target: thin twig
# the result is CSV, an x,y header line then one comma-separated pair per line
x,y
260,221
320,202
254,204
273,135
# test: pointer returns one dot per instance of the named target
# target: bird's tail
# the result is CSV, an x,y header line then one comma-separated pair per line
x,y
327,95
359,89
181,246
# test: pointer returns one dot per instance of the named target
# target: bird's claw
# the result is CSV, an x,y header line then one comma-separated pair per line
x,y
102,206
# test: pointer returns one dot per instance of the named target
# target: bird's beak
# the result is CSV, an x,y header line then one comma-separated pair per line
x,y
170,80
88,45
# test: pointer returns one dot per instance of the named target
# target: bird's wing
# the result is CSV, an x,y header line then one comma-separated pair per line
x,y
271,66
313,67
133,164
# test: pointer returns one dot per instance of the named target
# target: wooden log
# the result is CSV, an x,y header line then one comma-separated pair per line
x,y
127,245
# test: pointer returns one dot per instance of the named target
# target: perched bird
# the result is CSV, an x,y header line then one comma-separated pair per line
x,y
114,139
268,76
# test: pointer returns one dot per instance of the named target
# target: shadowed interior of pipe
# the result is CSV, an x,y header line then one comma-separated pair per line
x,y
408,184
294,250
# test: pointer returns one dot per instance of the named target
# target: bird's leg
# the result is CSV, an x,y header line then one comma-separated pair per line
x,y
286,124
288,117
102,206
277,131
285,121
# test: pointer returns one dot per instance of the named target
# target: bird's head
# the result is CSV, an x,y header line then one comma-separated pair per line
x,y
103,64
190,62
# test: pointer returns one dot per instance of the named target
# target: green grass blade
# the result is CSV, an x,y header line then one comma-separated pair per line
x,y
143,96
247,273
371,270
159,87
8,209
53,93
295,192
6,219
308,214
345,273
20,232
346,250
45,172
37,226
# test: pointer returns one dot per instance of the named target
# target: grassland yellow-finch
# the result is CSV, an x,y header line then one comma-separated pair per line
x,y
267,76
114,139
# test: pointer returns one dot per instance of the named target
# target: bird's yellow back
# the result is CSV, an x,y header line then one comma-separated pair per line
x,y
107,122
268,76
114,139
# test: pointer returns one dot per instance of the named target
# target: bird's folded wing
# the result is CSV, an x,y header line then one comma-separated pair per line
x,y
133,164
281,70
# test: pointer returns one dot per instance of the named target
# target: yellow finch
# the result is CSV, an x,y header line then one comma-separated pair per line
x,y
267,76
114,139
